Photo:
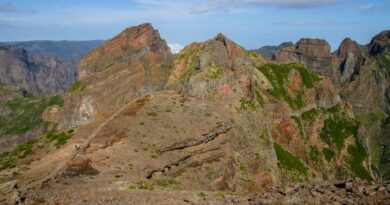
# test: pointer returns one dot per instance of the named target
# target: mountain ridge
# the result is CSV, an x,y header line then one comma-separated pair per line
x,y
214,117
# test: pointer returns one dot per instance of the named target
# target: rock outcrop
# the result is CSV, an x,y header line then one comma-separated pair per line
x,y
361,72
134,62
38,74
314,53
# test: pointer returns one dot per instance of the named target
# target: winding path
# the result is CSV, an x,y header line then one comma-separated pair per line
x,y
46,176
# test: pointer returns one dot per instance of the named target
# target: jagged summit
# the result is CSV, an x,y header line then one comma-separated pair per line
x,y
313,47
380,43
130,44
347,47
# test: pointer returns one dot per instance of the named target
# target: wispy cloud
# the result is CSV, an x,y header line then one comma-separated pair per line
x,y
175,47
208,6
7,7
312,23
374,7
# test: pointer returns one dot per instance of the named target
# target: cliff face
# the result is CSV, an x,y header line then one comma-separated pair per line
x,y
38,74
134,62
361,73
313,53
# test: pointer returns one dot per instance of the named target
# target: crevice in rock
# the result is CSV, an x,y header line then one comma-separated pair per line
x,y
168,166
220,129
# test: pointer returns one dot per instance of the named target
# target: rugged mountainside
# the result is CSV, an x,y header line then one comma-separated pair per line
x,y
37,74
131,64
361,73
269,51
65,50
213,119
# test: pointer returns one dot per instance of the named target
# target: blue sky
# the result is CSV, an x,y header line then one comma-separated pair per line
x,y
250,23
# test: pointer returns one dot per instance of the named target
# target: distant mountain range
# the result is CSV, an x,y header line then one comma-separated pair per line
x,y
268,51
66,50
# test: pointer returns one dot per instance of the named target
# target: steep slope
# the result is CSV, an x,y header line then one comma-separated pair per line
x,y
134,62
214,118
38,74
65,50
361,73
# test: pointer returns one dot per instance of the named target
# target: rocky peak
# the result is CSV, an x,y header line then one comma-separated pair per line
x,y
380,43
134,62
313,47
130,44
347,47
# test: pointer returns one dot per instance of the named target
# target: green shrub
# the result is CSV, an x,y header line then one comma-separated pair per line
x,y
167,183
213,72
329,154
58,138
339,127
287,161
247,104
145,185
311,115
152,114
278,77
357,155
201,194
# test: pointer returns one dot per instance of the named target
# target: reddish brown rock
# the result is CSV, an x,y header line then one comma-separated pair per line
x,y
134,62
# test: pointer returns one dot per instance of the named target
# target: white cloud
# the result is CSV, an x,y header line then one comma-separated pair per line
x,y
175,47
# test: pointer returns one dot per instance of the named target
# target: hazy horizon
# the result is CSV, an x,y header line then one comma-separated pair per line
x,y
250,23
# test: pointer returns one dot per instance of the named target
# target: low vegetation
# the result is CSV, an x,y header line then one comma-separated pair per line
x,y
213,72
338,127
357,155
26,114
77,86
59,138
278,77
8,159
291,164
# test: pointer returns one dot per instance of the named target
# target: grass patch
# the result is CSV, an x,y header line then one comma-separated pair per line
x,y
290,163
278,77
143,185
311,115
357,155
338,127
8,159
213,72
247,104
298,122
260,99
59,139
77,86
26,114
164,183
152,114
315,154
329,154
191,57
201,194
